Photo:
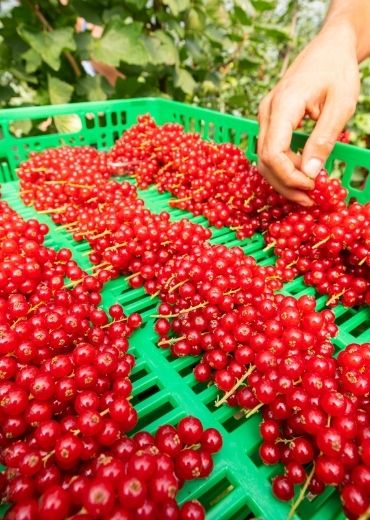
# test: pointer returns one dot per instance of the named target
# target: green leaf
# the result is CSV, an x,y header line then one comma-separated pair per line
x,y
67,124
59,91
210,86
120,43
185,81
362,121
194,49
177,6
117,12
19,128
6,93
264,5
279,34
195,20
83,43
91,88
128,87
162,49
246,6
22,76
88,11
50,45
41,96
5,56
136,4
215,34
242,16
246,64
33,60
237,100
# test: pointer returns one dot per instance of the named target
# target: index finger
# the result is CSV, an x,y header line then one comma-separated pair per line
x,y
285,116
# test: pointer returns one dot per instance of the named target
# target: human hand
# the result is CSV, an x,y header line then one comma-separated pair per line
x,y
322,82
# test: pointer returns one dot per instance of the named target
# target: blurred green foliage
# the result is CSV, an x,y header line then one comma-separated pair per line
x,y
222,54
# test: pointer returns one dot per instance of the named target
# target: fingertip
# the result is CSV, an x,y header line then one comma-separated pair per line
x,y
312,167
307,202
305,182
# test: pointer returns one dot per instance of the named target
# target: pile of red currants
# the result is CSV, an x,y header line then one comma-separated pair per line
x,y
65,393
329,243
263,351
214,180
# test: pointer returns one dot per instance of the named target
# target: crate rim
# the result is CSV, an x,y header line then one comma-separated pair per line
x,y
34,111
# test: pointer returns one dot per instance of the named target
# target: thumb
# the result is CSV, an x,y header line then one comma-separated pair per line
x,y
331,122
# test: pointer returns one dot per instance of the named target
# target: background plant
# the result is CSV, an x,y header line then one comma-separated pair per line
x,y
222,54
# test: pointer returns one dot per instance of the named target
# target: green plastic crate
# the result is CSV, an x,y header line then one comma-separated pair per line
x,y
164,388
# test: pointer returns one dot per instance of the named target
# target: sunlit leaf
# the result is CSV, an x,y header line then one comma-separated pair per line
x,y
121,43
49,45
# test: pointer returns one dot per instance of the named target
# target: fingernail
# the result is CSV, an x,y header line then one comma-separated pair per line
x,y
307,203
312,167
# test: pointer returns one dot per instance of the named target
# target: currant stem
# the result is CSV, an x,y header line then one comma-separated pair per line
x,y
183,311
53,210
171,341
178,285
302,494
253,410
239,382
335,297
264,208
361,262
285,441
248,200
69,224
232,291
97,266
365,515
47,457
115,246
292,263
169,280
269,246
102,234
132,275
112,322
236,228
176,201
322,242
276,277
73,283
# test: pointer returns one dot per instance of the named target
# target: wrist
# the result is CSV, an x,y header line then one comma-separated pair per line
x,y
350,21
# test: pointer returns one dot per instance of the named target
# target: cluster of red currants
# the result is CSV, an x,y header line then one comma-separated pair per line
x,y
54,177
272,352
262,350
125,237
214,180
330,245
217,181
65,398
321,431
83,476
